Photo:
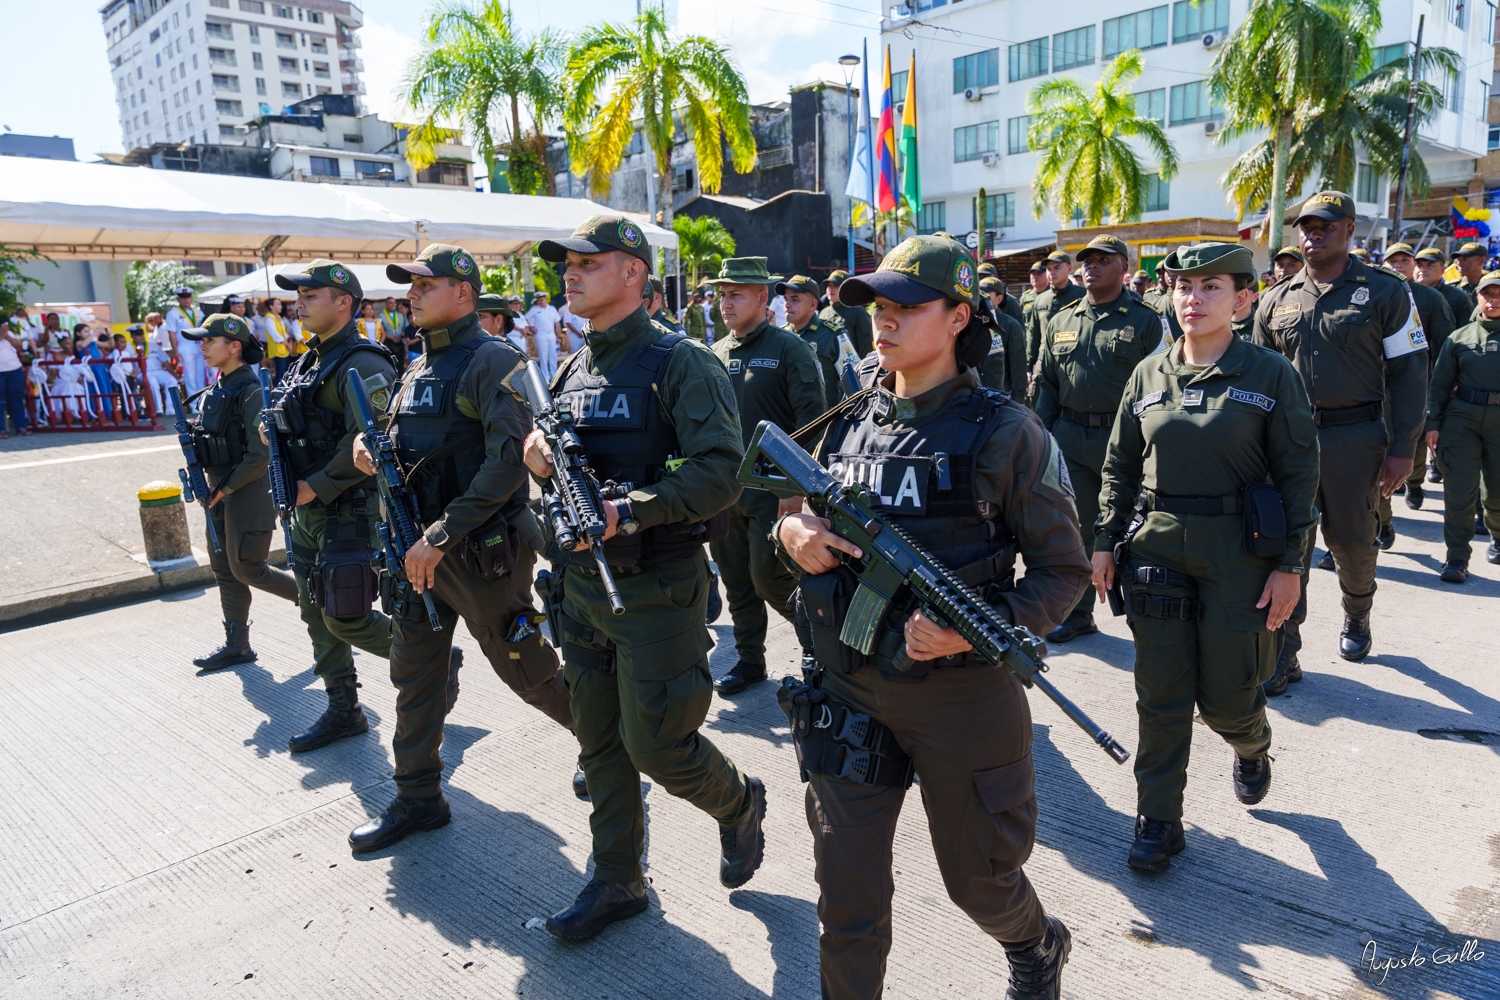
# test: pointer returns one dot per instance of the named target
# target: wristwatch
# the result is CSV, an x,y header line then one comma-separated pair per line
x,y
627,524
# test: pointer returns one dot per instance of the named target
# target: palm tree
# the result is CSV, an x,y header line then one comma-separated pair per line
x,y
1089,164
475,67
623,74
702,242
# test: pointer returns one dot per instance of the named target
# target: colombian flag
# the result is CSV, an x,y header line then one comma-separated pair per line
x,y
886,192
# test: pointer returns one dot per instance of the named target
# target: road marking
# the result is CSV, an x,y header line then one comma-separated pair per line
x,y
87,458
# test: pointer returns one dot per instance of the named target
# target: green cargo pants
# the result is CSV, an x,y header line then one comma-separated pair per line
x,y
1469,454
245,535
641,688
333,637
1217,661
753,575
1083,451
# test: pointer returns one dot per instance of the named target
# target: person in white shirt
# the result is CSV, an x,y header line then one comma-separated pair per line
x,y
12,382
778,311
573,326
161,357
547,326
186,316
368,322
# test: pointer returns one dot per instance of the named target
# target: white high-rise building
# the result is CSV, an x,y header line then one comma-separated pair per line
x,y
192,70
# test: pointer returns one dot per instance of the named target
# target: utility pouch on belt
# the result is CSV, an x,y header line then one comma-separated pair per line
x,y
489,551
1265,520
549,587
835,740
825,598
342,583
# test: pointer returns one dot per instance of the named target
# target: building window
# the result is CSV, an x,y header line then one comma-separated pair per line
x,y
289,65
1192,102
972,141
1156,193
999,211
1453,95
1016,130
252,6
292,90
221,3
932,217
230,84
281,10
319,46
320,70
1494,141
1387,54
1146,30
223,32
979,69
374,170
452,174
286,40
898,87
1152,104
256,61
1028,59
254,34
1073,48
260,87
1489,24
1192,20
226,132
315,17
1458,13
1366,183
231,108
324,166
1484,99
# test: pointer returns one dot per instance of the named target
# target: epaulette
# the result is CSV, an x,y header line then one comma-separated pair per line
x,y
1391,272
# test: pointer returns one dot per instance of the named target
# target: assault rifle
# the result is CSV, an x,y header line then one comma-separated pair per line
x,y
394,496
283,487
848,365
895,567
571,497
194,482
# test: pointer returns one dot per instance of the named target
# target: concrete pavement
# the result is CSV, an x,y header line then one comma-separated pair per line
x,y
160,842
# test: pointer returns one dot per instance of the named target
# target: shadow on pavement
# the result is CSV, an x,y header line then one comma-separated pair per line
x,y
792,929
1477,586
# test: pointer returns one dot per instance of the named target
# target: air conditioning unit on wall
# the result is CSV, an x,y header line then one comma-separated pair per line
x,y
971,94
1210,128
1213,39
991,159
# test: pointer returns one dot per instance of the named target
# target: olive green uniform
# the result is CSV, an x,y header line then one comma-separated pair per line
x,y
1459,303
823,337
1087,356
1049,301
245,518
1437,324
640,682
1470,291
1204,432
694,323
1468,427
1027,300
1004,367
1243,328
776,377
1011,306
857,324
420,656
1353,341
662,318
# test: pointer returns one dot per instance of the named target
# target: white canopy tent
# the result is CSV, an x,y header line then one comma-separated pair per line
x,y
261,284
85,211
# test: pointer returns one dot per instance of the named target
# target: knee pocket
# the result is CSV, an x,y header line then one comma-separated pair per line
x,y
1000,825
669,711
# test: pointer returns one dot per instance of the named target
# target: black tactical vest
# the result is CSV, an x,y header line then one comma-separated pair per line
x,y
218,434
310,432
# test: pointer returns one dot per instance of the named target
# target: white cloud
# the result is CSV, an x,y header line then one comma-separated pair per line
x,y
386,53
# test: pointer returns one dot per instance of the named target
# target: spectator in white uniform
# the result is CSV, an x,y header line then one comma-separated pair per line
x,y
547,328
186,316
573,327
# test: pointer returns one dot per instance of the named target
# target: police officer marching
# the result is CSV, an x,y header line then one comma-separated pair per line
x,y
333,526
856,321
1353,335
1213,532
1000,299
1287,263
235,460
963,728
458,427
1470,258
801,296
1090,348
1431,262
776,377
1004,367
655,410
1060,292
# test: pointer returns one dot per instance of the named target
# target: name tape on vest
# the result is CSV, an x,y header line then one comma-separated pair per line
x,y
762,363
904,478
1146,401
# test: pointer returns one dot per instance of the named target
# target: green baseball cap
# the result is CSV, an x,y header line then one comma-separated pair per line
x,y
1058,257
836,278
1472,250
744,271
1211,258
987,269
1431,253
322,273
1396,248
600,234
919,269
226,325
1330,205
1360,253
490,302
1040,265
1140,276
1486,280
989,283
438,260
798,283
1105,244
1292,252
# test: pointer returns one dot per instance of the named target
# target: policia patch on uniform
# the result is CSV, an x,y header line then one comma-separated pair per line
x,y
1145,401
379,388
1253,398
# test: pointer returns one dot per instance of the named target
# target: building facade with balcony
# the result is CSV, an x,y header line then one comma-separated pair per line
x,y
197,70
977,61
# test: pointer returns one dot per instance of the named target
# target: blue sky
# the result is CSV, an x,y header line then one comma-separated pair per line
x,y
57,80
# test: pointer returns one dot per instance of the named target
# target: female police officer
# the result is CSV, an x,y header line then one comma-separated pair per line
x,y
975,479
1208,434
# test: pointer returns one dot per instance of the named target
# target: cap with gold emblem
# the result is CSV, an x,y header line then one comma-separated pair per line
x,y
1471,250
1361,254
987,270
1292,252
600,234
1057,256
1486,280
836,278
919,269
990,285
1039,266
226,325
1431,253
1140,276
1330,205
798,283
438,260
1105,244
1396,248
322,273
1211,258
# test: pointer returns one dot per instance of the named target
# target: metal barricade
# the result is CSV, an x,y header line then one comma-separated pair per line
x,y
92,396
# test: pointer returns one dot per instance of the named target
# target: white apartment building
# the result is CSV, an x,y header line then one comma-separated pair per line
x,y
193,70
978,59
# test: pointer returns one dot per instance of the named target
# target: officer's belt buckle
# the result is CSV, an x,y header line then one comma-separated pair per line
x,y
860,732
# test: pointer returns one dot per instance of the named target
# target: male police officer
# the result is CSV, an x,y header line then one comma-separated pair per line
x,y
458,428
235,460
186,316
333,528
1431,263
801,296
1059,293
1088,353
1287,263
1470,260
776,377
1004,367
1350,330
655,301
1438,322
856,321
655,410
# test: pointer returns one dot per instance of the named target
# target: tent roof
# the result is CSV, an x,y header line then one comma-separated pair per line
x,y
92,211
372,281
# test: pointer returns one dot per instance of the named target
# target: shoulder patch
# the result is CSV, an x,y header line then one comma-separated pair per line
x,y
726,393
375,383
1253,398
1055,475
1391,272
1145,401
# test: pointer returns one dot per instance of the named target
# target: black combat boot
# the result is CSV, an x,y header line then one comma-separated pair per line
x,y
455,661
715,599
1156,840
1079,623
236,649
1415,496
597,906
1354,638
1479,525
345,717
1454,572
1252,778
1434,475
1386,538
744,846
1492,554
1325,561
740,676
1036,973
402,817
1279,680
580,784
1293,669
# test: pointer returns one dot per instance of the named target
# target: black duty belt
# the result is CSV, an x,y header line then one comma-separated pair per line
x,y
1193,505
1159,576
1349,415
1084,419
1475,396
1184,609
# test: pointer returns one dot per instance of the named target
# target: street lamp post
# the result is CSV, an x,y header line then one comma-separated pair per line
x,y
849,62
